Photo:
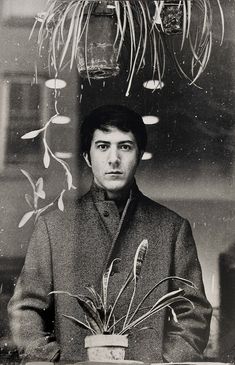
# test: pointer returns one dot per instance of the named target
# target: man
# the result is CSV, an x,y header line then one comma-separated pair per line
x,y
71,250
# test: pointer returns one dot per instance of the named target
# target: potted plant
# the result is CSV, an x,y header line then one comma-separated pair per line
x,y
109,334
92,34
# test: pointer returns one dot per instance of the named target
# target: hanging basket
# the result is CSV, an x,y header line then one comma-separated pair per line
x,y
172,17
97,54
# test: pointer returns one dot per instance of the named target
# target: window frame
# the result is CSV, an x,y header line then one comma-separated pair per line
x,y
5,82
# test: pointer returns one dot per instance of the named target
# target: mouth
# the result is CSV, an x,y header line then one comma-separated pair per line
x,y
114,173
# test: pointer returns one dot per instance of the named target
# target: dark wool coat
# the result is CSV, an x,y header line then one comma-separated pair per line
x,y
70,250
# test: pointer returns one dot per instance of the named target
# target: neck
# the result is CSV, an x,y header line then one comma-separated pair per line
x,y
118,195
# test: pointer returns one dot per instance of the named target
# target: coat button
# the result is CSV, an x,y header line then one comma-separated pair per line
x,y
106,213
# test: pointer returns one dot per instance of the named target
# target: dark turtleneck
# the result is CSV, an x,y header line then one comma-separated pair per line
x,y
120,202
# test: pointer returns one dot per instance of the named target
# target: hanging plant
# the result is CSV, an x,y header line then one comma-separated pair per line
x,y
193,19
75,25
38,192
72,27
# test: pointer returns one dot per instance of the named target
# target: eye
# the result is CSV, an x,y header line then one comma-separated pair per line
x,y
126,147
102,147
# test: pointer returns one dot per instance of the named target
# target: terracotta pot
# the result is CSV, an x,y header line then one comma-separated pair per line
x,y
106,347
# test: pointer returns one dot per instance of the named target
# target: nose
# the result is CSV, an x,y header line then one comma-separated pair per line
x,y
114,157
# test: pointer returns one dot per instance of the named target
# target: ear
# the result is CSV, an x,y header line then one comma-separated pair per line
x,y
87,158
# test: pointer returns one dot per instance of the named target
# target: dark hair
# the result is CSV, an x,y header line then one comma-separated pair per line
x,y
117,116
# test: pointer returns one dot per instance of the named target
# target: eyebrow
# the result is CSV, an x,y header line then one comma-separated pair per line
x,y
121,142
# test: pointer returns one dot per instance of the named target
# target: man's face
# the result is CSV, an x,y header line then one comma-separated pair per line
x,y
114,157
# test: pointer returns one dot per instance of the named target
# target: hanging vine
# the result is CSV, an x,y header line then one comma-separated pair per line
x,y
37,187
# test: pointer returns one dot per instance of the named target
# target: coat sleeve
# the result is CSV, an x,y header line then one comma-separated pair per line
x,y
31,308
186,339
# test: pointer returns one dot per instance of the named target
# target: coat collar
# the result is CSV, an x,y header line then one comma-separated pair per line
x,y
98,194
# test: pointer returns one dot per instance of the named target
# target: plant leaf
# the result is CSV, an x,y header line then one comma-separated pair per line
x,y
96,296
124,286
39,189
152,312
29,200
46,158
138,262
92,314
69,35
88,324
41,210
174,316
170,295
25,218
185,281
60,201
59,119
139,258
222,21
26,174
79,323
69,179
31,134
41,194
105,283
39,183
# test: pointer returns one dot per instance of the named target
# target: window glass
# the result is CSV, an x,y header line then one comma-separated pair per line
x,y
23,8
25,114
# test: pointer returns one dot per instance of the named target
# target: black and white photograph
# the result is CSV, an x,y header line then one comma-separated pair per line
x,y
117,182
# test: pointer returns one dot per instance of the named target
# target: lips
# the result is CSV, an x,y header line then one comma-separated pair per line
x,y
114,173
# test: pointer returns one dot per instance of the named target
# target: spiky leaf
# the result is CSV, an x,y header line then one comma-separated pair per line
x,y
139,258
60,201
105,282
91,312
76,321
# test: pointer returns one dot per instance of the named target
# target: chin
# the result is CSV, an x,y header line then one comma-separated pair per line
x,y
115,187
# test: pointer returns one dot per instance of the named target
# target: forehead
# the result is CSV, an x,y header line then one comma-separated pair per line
x,y
113,134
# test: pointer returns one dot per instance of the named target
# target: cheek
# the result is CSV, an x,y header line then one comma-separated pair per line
x,y
132,165
97,163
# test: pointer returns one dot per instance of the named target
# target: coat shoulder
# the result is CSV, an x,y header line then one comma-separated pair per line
x,y
71,210
156,209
